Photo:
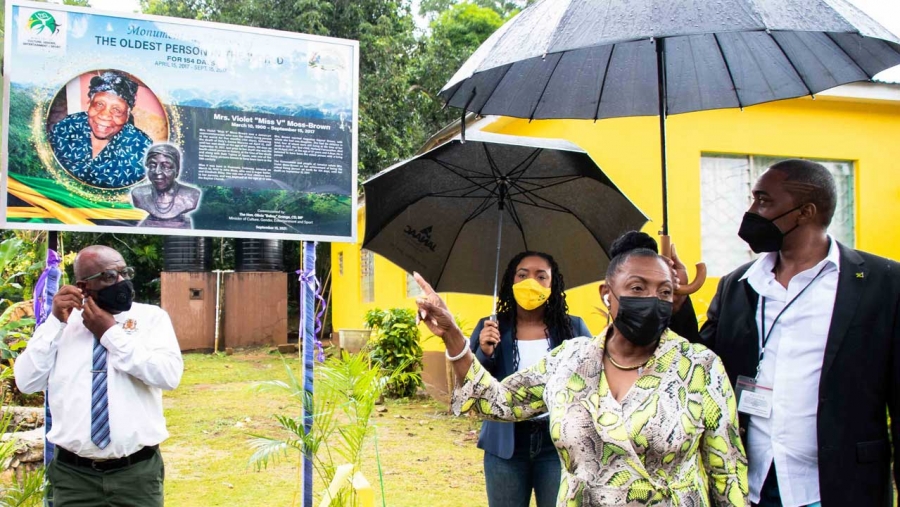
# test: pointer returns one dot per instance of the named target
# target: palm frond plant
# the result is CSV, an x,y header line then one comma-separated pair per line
x,y
346,392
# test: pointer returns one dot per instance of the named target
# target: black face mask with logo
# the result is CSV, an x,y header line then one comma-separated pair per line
x,y
642,320
116,298
761,234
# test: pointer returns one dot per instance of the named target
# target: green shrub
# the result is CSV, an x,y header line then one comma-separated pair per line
x,y
395,348
27,488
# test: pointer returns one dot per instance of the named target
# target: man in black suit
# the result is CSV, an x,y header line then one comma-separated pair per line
x,y
811,330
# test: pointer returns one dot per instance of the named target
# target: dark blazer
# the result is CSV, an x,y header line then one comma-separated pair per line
x,y
860,378
498,438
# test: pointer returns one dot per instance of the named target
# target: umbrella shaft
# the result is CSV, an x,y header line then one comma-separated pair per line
x,y
497,265
661,83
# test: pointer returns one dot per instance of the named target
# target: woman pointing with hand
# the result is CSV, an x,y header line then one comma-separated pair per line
x,y
638,415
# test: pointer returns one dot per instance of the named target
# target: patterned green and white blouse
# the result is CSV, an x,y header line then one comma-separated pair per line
x,y
673,440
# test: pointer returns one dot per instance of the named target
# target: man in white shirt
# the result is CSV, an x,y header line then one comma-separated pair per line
x,y
810,337
105,361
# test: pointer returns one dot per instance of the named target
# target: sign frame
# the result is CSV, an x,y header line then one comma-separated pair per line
x,y
354,132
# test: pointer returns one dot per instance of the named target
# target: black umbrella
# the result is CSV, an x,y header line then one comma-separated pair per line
x,y
594,59
454,212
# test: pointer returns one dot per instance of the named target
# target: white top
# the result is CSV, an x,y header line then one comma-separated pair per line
x,y
792,366
532,351
143,360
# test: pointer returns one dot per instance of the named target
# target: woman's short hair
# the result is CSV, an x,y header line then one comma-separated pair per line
x,y
115,83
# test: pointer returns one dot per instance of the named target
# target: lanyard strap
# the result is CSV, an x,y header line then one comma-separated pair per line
x,y
762,326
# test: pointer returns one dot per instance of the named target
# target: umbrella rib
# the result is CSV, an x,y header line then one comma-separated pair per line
x,y
448,165
547,84
603,83
454,169
728,68
542,187
467,191
495,169
518,222
540,206
525,164
547,178
527,194
530,194
827,34
786,57
576,217
505,72
481,208
450,252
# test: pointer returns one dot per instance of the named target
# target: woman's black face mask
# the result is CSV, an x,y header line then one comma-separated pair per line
x,y
642,320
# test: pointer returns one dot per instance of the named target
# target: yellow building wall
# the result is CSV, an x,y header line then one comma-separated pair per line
x,y
627,149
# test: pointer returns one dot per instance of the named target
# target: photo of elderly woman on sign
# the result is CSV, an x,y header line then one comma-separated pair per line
x,y
638,415
101,146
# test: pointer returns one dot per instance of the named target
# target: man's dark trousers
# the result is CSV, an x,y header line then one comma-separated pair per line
x,y
138,485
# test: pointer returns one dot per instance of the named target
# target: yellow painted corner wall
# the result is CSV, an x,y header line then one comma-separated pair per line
x,y
627,149
348,309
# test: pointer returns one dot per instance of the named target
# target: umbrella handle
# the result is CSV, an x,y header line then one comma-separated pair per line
x,y
665,243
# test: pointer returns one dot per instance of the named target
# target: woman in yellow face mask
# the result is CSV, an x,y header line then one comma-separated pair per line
x,y
532,318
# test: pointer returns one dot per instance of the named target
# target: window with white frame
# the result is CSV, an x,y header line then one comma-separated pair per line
x,y
367,275
725,185
412,288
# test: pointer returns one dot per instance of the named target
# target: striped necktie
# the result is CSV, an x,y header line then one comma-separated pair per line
x,y
99,400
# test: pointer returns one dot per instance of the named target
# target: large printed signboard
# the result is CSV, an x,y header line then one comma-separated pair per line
x,y
137,123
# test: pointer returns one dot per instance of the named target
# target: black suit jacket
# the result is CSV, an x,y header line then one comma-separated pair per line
x,y
860,379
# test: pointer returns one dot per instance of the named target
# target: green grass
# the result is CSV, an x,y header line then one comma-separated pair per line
x,y
428,457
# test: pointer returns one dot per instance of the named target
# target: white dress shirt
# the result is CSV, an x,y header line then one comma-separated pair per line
x,y
791,366
143,360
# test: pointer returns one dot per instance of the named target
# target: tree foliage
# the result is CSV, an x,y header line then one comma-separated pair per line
x,y
385,30
505,8
400,73
455,34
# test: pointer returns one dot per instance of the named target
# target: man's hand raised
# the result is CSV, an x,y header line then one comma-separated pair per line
x,y
67,298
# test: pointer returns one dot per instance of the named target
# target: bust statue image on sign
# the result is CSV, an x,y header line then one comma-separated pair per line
x,y
168,201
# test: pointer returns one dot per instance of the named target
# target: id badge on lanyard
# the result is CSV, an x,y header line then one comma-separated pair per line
x,y
755,398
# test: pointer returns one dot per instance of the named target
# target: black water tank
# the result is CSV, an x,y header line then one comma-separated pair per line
x,y
187,253
258,255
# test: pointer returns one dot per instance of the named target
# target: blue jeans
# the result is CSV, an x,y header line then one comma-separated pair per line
x,y
534,465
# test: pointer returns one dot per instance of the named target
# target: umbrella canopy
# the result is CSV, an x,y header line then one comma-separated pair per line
x,y
597,59
440,213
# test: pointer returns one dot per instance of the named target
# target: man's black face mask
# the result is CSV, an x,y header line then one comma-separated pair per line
x,y
762,234
116,298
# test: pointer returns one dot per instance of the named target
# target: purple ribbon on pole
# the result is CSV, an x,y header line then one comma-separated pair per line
x,y
308,277
46,288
